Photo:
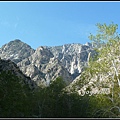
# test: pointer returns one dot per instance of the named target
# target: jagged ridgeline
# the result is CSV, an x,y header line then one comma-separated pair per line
x,y
71,80
47,63
43,65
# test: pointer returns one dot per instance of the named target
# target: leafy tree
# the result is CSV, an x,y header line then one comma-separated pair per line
x,y
106,69
105,34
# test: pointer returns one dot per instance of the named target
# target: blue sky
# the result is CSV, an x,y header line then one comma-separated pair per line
x,y
54,23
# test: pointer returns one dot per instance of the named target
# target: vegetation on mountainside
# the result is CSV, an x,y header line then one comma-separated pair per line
x,y
105,69
17,100
14,94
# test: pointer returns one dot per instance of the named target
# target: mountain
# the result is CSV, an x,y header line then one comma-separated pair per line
x,y
16,51
42,67
16,92
73,56
47,63
102,75
92,77
8,66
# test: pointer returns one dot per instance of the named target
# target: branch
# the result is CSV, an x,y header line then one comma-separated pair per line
x,y
116,73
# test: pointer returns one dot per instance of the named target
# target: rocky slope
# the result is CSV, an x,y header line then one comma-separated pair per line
x,y
9,66
42,67
73,56
16,51
47,63
102,75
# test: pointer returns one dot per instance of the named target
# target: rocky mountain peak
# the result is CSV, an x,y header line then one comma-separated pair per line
x,y
16,51
66,60
73,56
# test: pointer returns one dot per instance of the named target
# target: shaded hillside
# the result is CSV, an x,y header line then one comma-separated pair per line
x,y
15,91
9,66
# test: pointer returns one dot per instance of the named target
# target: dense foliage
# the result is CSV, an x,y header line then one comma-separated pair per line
x,y
17,100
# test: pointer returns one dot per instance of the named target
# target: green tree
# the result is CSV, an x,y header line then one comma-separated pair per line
x,y
105,34
106,69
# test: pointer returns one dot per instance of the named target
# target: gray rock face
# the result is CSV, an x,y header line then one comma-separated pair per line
x,y
16,51
38,64
73,56
56,69
47,63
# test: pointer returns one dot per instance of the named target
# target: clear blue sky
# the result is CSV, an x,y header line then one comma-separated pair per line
x,y
54,23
